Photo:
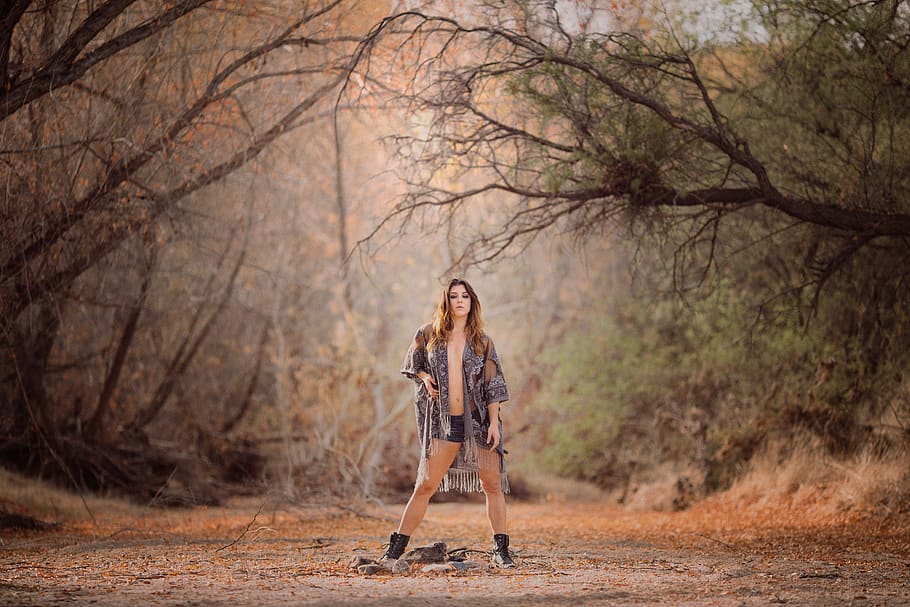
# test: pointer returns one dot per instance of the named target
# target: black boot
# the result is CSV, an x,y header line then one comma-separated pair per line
x,y
501,556
397,544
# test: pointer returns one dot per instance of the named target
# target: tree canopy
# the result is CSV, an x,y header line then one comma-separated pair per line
x,y
581,130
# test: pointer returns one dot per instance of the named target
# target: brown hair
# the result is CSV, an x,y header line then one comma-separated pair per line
x,y
443,323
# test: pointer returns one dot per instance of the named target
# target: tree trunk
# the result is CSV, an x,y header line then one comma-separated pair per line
x,y
32,425
95,425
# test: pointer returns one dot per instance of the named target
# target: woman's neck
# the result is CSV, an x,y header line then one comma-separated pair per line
x,y
458,326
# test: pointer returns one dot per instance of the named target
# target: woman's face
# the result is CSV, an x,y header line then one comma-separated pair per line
x,y
459,301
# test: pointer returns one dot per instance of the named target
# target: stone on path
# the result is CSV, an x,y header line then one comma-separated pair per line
x,y
434,558
428,554
438,567
369,569
359,561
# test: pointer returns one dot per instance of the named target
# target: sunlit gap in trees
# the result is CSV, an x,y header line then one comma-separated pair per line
x,y
707,21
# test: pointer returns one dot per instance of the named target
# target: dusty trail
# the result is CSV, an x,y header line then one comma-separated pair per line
x,y
718,553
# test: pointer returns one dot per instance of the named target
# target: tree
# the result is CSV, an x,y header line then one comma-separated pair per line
x,y
582,131
116,120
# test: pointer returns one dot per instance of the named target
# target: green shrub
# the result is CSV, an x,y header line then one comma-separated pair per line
x,y
636,384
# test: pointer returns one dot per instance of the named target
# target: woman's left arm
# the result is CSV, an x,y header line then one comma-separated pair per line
x,y
493,435
495,392
494,384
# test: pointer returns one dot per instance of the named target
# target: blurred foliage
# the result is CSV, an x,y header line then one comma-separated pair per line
x,y
648,377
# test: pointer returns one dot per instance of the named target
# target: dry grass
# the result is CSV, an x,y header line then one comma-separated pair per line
x,y
48,503
802,475
801,497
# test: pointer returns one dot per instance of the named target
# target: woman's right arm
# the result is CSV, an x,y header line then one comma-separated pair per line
x,y
429,384
416,364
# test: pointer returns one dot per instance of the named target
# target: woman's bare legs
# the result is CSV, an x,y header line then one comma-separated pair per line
x,y
443,453
491,481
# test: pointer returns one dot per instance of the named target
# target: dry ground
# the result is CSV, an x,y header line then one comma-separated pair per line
x,y
733,549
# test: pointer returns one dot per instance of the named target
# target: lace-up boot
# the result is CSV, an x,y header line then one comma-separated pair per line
x,y
501,557
397,544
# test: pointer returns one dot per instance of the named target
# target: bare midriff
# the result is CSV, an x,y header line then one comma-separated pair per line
x,y
455,352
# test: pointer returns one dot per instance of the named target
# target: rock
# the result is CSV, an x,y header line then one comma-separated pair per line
x,y
427,554
389,564
438,567
459,566
369,569
358,561
401,566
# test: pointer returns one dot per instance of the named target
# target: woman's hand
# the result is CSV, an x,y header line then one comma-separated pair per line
x,y
493,436
430,385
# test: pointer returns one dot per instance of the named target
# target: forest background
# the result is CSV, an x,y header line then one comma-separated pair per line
x,y
223,222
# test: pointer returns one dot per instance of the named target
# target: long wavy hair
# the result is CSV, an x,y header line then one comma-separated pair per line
x,y
443,322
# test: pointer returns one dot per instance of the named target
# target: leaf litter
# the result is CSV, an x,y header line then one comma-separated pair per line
x,y
726,550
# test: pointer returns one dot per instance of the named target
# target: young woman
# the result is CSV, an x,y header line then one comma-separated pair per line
x,y
459,389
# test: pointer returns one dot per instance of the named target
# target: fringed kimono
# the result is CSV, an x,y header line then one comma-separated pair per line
x,y
483,384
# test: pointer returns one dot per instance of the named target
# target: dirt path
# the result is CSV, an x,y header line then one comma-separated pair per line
x,y
569,554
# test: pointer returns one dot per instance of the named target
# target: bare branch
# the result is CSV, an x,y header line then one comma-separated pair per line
x,y
60,72
28,288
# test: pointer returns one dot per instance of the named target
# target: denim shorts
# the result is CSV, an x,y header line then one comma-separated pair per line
x,y
456,427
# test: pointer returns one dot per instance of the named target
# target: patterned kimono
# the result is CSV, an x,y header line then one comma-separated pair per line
x,y
483,384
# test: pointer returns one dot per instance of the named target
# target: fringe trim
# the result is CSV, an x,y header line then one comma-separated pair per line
x,y
468,481
461,480
422,473
465,481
